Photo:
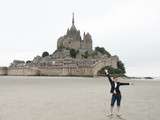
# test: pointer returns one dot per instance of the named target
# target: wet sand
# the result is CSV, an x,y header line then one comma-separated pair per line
x,y
74,98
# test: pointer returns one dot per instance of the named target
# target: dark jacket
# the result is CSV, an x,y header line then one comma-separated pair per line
x,y
112,83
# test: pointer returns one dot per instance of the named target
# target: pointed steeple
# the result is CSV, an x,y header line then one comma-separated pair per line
x,y
73,28
73,18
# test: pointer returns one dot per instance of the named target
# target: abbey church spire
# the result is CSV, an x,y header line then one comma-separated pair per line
x,y
73,28
73,18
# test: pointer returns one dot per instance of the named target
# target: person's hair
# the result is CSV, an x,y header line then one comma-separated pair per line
x,y
115,77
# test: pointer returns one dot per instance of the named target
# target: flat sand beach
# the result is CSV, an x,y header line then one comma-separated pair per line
x,y
75,98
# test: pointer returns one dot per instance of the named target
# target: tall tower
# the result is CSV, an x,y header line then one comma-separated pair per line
x,y
72,39
73,28
73,18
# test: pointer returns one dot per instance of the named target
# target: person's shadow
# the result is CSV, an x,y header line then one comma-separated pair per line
x,y
115,117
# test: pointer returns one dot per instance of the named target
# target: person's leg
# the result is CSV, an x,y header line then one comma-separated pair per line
x,y
118,104
111,110
113,99
118,109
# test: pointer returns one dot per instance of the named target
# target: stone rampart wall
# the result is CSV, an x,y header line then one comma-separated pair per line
x,y
81,71
67,71
3,70
23,72
50,71
87,69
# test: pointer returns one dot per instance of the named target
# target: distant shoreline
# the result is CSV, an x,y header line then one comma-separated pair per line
x,y
147,78
78,76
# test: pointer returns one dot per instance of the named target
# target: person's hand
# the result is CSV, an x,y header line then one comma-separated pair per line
x,y
131,83
106,71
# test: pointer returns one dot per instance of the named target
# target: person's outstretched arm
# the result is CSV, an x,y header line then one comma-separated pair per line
x,y
124,83
130,83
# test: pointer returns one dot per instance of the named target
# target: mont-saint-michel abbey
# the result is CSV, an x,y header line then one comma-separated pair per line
x,y
74,56
73,40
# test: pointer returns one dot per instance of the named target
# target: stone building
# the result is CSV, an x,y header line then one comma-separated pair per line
x,y
17,63
88,62
73,40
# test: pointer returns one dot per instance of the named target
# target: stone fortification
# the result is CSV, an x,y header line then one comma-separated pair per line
x,y
21,71
65,67
3,70
74,57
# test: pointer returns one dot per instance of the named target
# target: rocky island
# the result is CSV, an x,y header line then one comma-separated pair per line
x,y
74,56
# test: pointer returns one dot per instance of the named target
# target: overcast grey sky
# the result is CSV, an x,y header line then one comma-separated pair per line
x,y
127,28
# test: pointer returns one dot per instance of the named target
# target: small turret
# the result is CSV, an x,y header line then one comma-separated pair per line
x,y
84,34
88,37
87,41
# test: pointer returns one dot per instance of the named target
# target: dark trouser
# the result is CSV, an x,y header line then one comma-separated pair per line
x,y
116,97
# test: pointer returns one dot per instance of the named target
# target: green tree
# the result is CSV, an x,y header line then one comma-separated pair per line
x,y
94,53
73,53
102,50
112,71
86,54
28,61
44,54
121,67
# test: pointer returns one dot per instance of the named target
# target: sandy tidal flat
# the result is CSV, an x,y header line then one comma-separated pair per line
x,y
74,98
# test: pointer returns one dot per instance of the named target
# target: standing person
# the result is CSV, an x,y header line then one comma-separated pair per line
x,y
116,94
